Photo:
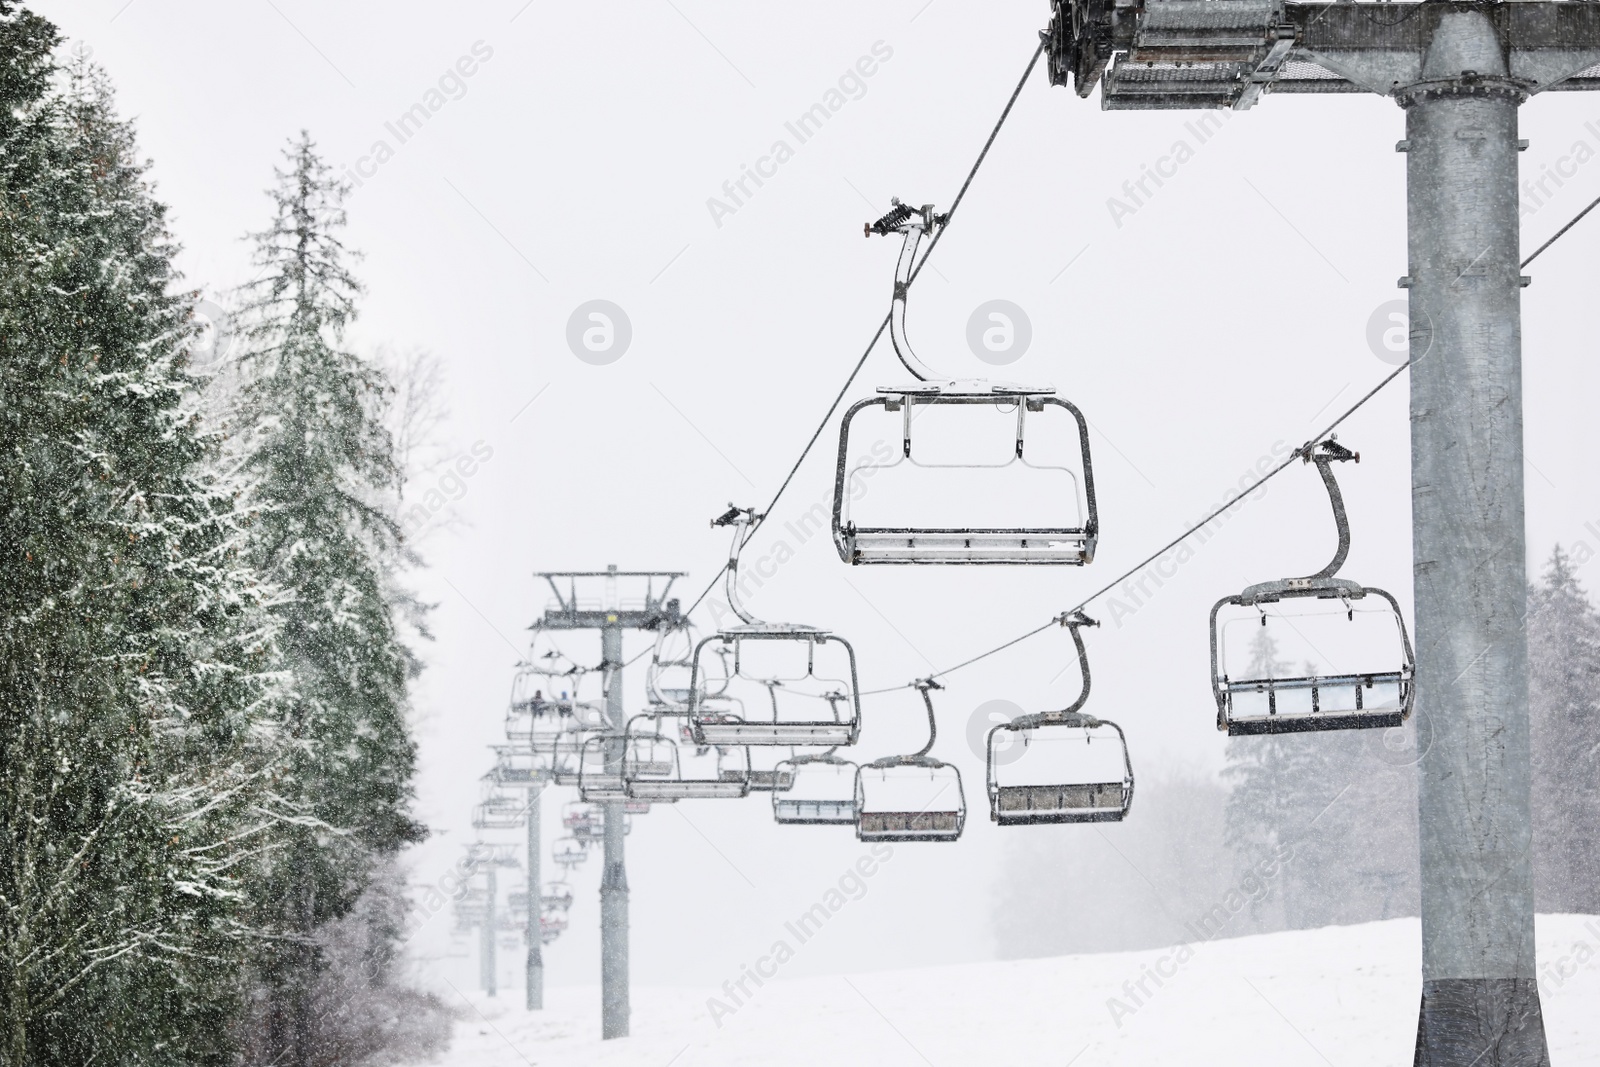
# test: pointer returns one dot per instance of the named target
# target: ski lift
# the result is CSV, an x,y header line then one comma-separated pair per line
x,y
556,896
568,755
551,927
822,791
771,769
1058,527
541,721
911,798
1359,666
1059,776
515,766
712,773
587,822
499,809
568,852
600,775
777,663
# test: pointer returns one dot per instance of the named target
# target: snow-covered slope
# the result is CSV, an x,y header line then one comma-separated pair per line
x,y
1344,996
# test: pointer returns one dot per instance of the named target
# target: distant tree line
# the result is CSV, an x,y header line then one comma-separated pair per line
x,y
205,759
1308,830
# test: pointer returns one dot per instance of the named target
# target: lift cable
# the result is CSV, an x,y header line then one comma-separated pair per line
x,y
1061,619
761,517
1559,233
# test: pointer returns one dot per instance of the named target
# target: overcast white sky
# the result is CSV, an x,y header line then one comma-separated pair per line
x,y
1228,313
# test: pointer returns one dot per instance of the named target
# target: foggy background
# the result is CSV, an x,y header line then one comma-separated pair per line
x,y
1228,313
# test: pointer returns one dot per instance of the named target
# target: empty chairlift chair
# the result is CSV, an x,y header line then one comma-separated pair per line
x,y
821,791
1312,653
1048,515
911,798
681,771
771,768
500,809
785,683
1060,766
600,764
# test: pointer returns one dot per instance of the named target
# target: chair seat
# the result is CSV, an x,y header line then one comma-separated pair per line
x,y
1316,702
909,826
814,812
695,790
1086,802
774,733
907,545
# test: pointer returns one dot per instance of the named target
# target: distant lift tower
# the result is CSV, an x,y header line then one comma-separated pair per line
x,y
1460,71
602,606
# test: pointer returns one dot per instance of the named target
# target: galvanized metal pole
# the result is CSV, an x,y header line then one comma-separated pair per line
x,y
486,960
1478,993
535,966
614,881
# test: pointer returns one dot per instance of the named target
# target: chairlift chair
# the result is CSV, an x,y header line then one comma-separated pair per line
x,y
600,775
1070,530
568,852
499,810
1058,776
911,798
555,896
773,693
515,765
587,822
1366,677
712,774
771,769
822,791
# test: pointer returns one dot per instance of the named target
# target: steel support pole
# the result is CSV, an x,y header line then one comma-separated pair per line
x,y
614,881
535,967
1480,1003
486,946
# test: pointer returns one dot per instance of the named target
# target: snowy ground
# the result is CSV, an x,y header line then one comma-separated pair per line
x,y
1341,996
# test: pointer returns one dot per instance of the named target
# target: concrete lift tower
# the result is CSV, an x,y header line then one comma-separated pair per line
x,y
1459,70
604,608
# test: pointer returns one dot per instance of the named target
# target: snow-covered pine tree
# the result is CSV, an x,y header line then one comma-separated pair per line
x,y
135,744
1348,815
322,470
1564,705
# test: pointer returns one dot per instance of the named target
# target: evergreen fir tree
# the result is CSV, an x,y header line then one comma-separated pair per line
x,y
1564,707
322,470
135,735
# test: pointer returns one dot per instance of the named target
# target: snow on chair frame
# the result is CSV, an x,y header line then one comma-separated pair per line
x,y
1064,541
1270,698
794,700
1020,795
909,798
